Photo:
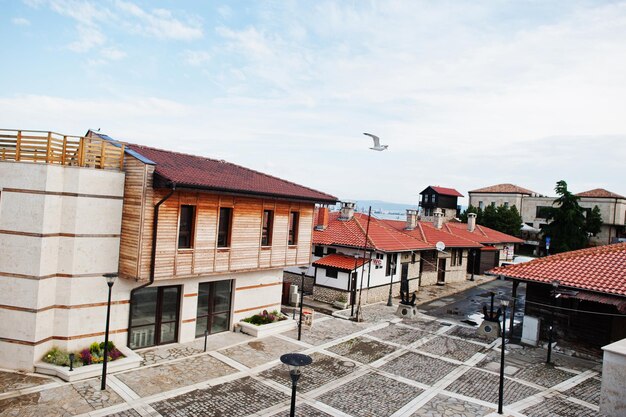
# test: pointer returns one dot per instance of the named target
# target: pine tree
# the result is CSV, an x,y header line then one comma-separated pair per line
x,y
566,222
593,222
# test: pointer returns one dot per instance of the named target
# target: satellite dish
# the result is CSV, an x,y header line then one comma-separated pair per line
x,y
440,246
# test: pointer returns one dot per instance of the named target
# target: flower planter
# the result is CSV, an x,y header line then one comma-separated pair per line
x,y
340,305
131,360
267,329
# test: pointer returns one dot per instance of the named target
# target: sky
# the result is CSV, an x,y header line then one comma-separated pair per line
x,y
466,94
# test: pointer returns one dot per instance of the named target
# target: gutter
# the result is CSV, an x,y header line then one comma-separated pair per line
x,y
155,224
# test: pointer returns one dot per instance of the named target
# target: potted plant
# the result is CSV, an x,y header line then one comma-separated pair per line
x,y
341,302
266,323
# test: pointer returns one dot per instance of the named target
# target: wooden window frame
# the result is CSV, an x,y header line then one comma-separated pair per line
x,y
192,227
229,227
269,230
334,273
294,226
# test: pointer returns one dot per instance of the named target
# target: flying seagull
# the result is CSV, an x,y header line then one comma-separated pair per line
x,y
377,145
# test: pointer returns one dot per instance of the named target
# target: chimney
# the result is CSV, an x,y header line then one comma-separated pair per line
x,y
347,210
322,219
438,218
411,219
471,221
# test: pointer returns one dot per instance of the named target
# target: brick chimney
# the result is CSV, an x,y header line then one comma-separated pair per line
x,y
438,218
471,221
322,219
347,210
411,219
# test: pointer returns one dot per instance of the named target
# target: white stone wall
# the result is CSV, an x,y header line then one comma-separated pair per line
x,y
612,399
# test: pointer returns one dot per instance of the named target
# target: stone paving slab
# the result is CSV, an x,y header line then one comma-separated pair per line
x,y
66,400
485,386
260,351
419,368
241,397
362,349
451,348
365,396
468,333
399,334
544,375
445,406
14,381
323,370
156,379
374,313
325,331
559,407
588,391
304,410
428,326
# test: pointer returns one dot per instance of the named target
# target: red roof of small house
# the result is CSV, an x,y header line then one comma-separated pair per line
x,y
480,234
446,191
601,269
217,175
599,193
381,236
427,232
504,188
340,261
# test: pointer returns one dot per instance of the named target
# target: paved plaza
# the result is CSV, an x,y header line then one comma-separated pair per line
x,y
383,366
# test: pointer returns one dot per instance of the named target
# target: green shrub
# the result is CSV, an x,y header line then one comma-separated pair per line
x,y
59,357
95,348
265,318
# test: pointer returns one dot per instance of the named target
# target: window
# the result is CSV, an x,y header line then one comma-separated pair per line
x,y
293,228
268,221
330,251
457,257
481,205
213,310
493,204
223,232
331,273
506,204
460,258
185,227
379,261
318,251
391,259
542,212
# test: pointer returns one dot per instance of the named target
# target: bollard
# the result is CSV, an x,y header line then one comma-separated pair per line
x,y
206,334
71,362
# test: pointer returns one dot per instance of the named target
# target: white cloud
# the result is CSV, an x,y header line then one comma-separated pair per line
x,y
20,21
89,36
112,54
159,23
196,58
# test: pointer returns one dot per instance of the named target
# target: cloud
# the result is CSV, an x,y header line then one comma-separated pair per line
x,y
159,23
112,54
196,58
20,21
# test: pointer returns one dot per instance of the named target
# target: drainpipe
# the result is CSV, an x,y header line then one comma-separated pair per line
x,y
155,225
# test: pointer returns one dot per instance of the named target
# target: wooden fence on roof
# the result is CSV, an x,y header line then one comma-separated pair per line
x,y
55,148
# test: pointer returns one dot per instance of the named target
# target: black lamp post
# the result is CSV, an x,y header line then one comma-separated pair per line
x,y
504,304
110,281
554,295
393,270
295,361
301,302
473,263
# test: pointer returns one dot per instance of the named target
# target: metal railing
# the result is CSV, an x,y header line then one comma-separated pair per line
x,y
54,148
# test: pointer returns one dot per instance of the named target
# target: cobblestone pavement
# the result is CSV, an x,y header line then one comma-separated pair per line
x,y
323,370
468,333
304,410
126,413
237,398
260,351
444,406
399,334
364,397
588,391
155,379
362,350
324,331
484,386
544,375
419,368
451,348
13,381
559,407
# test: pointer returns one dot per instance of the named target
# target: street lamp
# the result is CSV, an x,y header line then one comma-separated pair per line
x,y
303,269
473,263
504,304
110,281
554,296
393,270
295,361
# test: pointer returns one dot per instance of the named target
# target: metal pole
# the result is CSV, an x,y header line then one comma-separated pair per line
x,y
501,397
301,303
106,341
294,384
369,264
473,263
393,269
549,359
206,334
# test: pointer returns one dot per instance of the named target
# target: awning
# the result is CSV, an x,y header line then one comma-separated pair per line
x,y
618,302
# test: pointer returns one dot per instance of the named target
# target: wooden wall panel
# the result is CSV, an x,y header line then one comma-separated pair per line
x,y
203,261
306,234
206,223
281,230
265,258
222,260
132,215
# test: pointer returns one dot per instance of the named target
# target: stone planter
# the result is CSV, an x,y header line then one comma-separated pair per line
x,y
267,329
131,360
340,305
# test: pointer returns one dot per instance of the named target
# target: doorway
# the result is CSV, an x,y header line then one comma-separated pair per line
x,y
404,278
154,314
213,312
441,271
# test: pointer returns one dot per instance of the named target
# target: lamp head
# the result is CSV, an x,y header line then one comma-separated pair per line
x,y
504,303
110,278
295,361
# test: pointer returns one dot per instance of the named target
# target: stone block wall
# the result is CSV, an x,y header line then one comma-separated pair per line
x,y
296,279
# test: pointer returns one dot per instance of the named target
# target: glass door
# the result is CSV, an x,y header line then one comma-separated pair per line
x,y
154,313
213,314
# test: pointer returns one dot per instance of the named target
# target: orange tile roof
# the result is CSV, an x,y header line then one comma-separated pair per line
x,y
427,232
340,261
601,269
480,234
503,188
599,193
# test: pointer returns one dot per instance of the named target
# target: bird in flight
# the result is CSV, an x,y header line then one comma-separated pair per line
x,y
377,145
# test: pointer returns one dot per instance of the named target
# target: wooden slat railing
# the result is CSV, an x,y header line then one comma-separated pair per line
x,y
54,148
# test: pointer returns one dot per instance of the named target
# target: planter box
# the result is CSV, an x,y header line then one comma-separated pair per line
x,y
267,329
131,360
340,305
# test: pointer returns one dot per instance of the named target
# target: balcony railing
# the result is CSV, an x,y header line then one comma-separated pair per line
x,y
54,148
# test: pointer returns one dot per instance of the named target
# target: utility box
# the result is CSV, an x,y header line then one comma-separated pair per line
x,y
530,330
294,299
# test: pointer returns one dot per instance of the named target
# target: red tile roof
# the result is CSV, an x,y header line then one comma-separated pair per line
x,y
504,188
480,234
340,261
599,193
601,269
447,191
381,236
427,232
218,175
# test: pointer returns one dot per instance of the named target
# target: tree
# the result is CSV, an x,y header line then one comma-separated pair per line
x,y
504,219
593,222
471,209
567,226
